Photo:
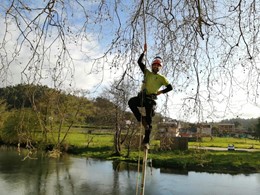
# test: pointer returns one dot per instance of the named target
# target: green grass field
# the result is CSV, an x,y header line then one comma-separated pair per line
x,y
223,142
105,139
100,145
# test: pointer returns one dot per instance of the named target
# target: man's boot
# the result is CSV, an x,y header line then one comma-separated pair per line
x,y
146,139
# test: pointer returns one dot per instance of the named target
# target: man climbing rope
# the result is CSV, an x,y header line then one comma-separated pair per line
x,y
153,81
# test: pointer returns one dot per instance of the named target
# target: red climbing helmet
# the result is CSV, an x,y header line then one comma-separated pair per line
x,y
157,60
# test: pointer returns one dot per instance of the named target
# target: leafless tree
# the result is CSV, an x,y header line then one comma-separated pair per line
x,y
118,93
210,48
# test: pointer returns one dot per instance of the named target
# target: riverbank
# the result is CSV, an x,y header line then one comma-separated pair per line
x,y
201,156
208,155
202,160
233,162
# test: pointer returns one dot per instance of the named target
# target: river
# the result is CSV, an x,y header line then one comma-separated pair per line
x,y
77,176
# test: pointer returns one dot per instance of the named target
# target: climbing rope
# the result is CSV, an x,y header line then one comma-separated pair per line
x,y
140,133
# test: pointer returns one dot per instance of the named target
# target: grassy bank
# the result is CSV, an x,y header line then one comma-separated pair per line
x,y
100,145
210,161
222,142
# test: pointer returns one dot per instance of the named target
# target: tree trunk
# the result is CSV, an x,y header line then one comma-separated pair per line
x,y
117,136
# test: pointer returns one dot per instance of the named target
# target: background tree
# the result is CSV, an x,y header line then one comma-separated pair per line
x,y
57,112
103,113
21,127
118,93
257,129
35,110
3,114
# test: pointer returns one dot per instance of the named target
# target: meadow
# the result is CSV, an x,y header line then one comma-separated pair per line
x,y
100,145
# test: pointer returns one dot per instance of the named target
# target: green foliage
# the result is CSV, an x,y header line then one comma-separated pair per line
x,y
57,105
3,112
247,124
21,95
104,112
50,109
257,129
20,127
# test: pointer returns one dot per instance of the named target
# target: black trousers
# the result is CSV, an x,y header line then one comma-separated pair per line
x,y
146,102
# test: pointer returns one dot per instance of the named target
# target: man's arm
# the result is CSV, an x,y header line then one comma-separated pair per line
x,y
166,90
140,62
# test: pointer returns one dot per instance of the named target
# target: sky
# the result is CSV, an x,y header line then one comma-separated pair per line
x,y
92,81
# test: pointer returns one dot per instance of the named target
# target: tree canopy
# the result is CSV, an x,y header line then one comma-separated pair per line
x,y
210,48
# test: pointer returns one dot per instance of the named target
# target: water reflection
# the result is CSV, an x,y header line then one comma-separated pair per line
x,y
72,175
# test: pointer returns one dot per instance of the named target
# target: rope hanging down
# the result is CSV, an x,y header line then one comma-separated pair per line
x,y
144,22
146,147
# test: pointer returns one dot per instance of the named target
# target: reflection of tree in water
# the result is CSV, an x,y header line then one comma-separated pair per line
x,y
174,171
36,176
129,169
122,167
258,178
70,175
62,172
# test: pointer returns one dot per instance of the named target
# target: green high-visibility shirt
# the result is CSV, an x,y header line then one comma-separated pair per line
x,y
153,82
